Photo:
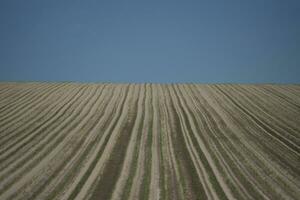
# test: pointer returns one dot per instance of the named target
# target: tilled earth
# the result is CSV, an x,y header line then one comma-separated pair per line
x,y
149,141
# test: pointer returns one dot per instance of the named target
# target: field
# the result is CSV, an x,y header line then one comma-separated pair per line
x,y
149,141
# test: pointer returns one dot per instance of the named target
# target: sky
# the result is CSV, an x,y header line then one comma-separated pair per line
x,y
208,41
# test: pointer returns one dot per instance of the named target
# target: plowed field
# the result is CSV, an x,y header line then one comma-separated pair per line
x,y
149,141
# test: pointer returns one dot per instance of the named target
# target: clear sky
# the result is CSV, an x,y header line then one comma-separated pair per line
x,y
205,41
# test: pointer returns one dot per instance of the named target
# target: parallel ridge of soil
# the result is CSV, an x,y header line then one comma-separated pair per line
x,y
149,141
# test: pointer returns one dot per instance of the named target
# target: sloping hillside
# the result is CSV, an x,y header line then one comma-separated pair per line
x,y
149,141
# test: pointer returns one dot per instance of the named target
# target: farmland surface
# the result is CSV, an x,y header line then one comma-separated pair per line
x,y
149,141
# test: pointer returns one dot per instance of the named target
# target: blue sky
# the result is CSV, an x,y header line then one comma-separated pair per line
x,y
254,41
